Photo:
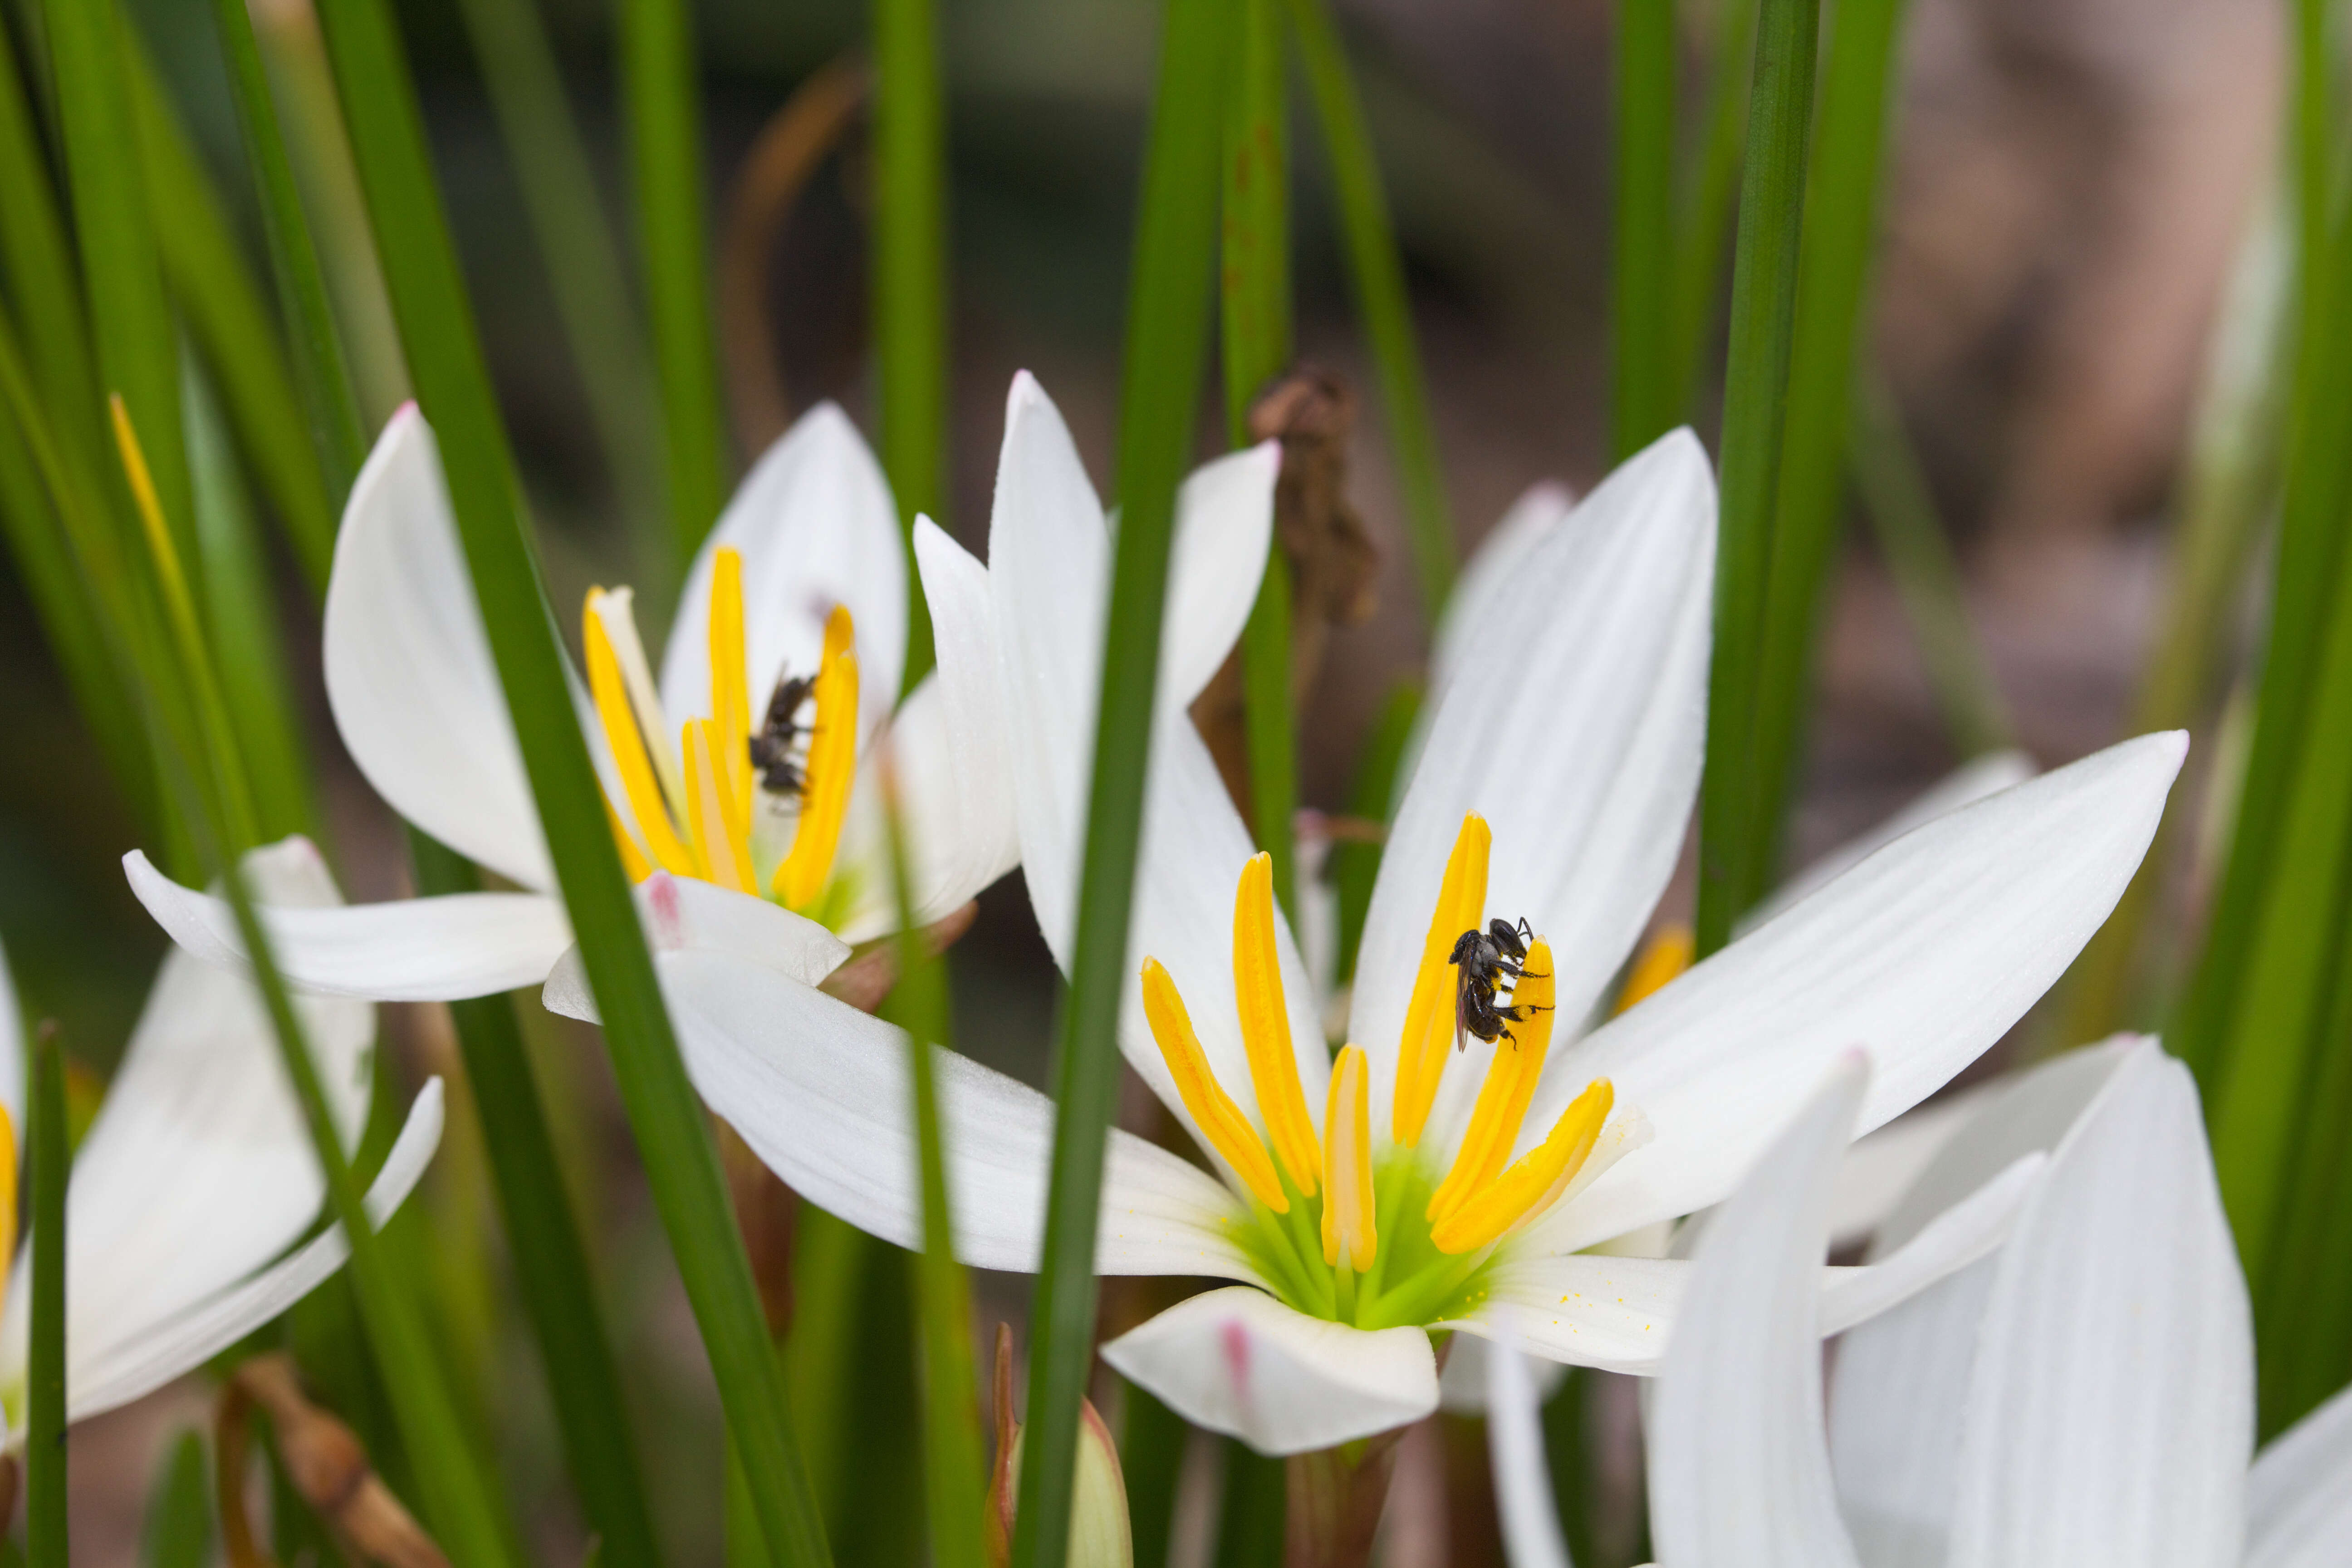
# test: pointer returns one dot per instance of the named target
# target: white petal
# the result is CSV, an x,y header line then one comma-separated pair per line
x,y
815,525
819,1091
1523,1497
1236,1361
2111,1417
1739,1469
1965,786
1879,1169
12,1050
1224,522
409,675
100,1378
1923,955
1487,576
2299,1493
683,915
1461,1381
1954,1240
409,949
1580,742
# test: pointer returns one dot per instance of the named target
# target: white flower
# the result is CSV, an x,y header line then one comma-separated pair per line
x,y
1571,742
198,1175
2084,1396
806,575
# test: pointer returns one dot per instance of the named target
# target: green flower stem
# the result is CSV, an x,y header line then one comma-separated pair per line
x,y
681,1165
1377,267
178,1530
1645,399
1713,181
45,1418
1167,338
910,307
1732,840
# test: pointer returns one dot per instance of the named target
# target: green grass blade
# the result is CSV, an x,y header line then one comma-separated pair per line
x,y
329,407
1355,863
673,1137
954,1475
1255,314
576,243
1151,1444
664,130
1918,554
44,1419
122,272
1377,269
1645,381
43,282
1254,1513
1167,332
179,1525
1763,310
910,307
551,1273
1707,196
1841,228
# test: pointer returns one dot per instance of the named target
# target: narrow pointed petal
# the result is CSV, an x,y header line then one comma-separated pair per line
x,y
1577,735
1880,1168
1236,1361
819,1091
1739,1468
1523,1494
415,696
2111,1417
683,915
11,1048
101,1374
409,949
2299,1493
1923,955
815,526
1224,522
1489,574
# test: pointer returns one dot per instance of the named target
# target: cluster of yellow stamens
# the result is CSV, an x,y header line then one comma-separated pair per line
x,y
1483,1195
692,807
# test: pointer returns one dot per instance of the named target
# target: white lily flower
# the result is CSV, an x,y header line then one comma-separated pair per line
x,y
2083,1395
198,1178
747,774
1363,1206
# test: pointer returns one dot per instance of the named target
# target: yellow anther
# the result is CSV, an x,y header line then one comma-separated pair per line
x,y
1533,1184
1429,1017
1662,958
1266,1027
721,826
1510,1085
1221,1121
633,859
730,698
832,766
1350,1233
611,693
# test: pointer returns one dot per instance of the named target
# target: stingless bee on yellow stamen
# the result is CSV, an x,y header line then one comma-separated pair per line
x,y
1414,1256
692,810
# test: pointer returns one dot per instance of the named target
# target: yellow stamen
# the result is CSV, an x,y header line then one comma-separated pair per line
x,y
7,1192
1429,1017
832,766
633,859
1530,1186
730,700
616,609
1266,1027
1662,958
721,828
1510,1085
1221,1121
1349,1230
607,686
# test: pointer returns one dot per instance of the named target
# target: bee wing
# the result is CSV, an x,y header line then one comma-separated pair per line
x,y
1462,1015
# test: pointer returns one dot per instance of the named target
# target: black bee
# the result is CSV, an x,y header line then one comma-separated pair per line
x,y
774,749
1484,960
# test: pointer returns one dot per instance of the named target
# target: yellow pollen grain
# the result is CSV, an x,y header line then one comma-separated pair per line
x,y
1662,958
1529,1186
731,697
1266,1027
721,828
800,879
1221,1121
611,694
1429,1016
1510,1085
1350,1231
